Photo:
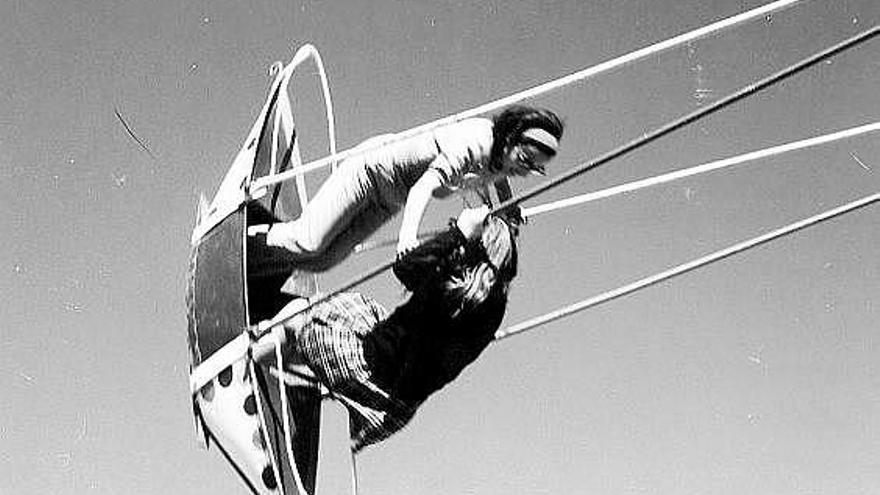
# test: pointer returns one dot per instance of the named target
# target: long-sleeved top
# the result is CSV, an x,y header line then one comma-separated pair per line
x,y
463,148
368,189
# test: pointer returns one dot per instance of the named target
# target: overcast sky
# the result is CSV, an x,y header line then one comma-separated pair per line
x,y
758,374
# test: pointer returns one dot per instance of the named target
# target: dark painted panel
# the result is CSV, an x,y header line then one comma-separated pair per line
x,y
216,288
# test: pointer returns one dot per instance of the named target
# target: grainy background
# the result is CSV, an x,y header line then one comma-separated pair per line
x,y
758,374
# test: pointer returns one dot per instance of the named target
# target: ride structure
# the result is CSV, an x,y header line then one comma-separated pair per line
x,y
264,422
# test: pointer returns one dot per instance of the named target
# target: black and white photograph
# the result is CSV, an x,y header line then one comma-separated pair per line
x,y
303,247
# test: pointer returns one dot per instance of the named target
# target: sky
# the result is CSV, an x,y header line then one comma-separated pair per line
x,y
757,374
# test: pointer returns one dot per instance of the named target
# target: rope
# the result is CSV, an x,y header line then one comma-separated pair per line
x,y
285,411
690,118
683,268
632,145
371,245
536,90
354,472
662,179
699,169
647,138
259,331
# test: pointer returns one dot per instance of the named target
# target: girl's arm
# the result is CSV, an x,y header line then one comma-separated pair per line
x,y
429,184
512,213
428,261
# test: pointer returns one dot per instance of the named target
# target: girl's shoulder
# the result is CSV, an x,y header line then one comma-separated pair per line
x,y
469,129
467,144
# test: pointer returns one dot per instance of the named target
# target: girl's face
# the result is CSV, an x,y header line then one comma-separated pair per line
x,y
522,159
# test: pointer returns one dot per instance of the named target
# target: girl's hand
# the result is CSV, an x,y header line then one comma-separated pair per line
x,y
405,245
414,209
471,220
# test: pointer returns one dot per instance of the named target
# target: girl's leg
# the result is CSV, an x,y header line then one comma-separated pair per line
x,y
339,200
361,226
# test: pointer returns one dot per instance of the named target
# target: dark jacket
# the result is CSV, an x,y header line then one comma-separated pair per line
x,y
426,342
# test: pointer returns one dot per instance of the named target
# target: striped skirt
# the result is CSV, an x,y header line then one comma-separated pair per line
x,y
330,340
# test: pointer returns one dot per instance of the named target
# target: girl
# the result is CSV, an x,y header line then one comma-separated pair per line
x,y
367,190
382,367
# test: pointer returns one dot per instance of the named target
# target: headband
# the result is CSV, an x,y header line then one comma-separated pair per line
x,y
542,138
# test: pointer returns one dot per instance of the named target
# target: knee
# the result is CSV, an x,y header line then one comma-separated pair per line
x,y
323,260
309,247
291,236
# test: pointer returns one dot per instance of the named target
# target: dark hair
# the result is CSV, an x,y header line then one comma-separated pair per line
x,y
508,125
491,268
